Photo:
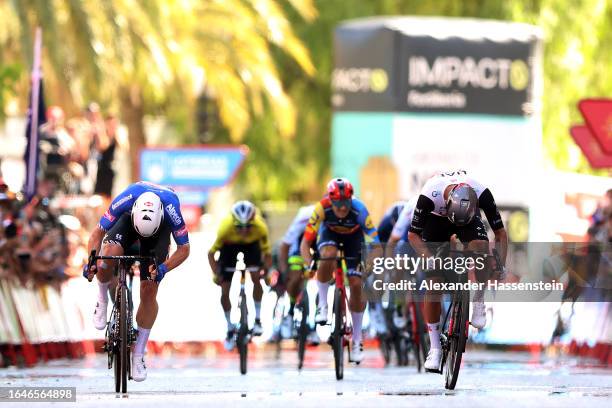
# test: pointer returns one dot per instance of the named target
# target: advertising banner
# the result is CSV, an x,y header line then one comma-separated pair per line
x,y
200,167
423,64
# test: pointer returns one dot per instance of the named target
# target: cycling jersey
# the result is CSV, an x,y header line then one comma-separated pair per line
x,y
122,204
357,220
294,234
400,229
228,234
431,200
388,221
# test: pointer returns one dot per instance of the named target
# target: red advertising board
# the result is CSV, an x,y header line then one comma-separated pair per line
x,y
597,114
590,147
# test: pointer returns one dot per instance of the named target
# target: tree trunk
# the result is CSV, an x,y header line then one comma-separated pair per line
x,y
132,114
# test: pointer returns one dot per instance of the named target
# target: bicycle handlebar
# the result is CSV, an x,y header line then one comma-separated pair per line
x,y
93,258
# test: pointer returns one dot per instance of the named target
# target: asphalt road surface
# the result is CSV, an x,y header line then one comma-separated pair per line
x,y
497,379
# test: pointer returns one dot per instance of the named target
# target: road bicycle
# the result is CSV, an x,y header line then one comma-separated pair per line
x,y
455,326
120,332
340,323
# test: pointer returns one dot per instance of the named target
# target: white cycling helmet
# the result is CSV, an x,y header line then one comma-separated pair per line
x,y
147,214
243,212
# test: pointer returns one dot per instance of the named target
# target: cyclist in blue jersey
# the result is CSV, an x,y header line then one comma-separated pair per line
x,y
389,219
147,213
340,218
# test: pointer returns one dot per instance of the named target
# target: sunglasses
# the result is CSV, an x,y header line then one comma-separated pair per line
x,y
242,227
342,203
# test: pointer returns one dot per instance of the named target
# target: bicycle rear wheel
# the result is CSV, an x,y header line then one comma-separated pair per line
x,y
338,334
457,339
243,334
303,329
123,340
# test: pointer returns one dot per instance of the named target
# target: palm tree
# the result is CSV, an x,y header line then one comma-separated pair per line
x,y
143,55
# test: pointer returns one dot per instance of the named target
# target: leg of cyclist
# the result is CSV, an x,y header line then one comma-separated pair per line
x,y
253,262
357,304
475,235
325,272
295,278
114,243
225,273
437,231
157,245
257,295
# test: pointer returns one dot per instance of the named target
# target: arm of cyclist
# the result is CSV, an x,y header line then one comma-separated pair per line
x,y
214,266
371,236
283,257
311,231
422,210
487,203
177,258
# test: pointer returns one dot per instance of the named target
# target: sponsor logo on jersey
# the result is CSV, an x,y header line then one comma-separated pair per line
x,y
109,216
435,193
181,232
148,204
121,201
453,173
176,219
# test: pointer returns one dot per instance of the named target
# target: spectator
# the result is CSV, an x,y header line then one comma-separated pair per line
x,y
56,146
43,245
105,175
77,129
8,232
98,142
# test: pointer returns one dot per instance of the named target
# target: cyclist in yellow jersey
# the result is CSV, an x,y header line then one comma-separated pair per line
x,y
243,230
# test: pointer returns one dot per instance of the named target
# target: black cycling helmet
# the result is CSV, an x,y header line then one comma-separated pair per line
x,y
461,204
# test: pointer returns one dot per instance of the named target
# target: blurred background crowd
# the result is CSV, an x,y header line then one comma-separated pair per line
x,y
43,240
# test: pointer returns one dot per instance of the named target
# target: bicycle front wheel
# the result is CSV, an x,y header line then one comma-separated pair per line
x,y
124,333
243,335
303,329
338,334
457,339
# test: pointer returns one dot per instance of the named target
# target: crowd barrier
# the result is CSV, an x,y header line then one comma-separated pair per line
x,y
38,324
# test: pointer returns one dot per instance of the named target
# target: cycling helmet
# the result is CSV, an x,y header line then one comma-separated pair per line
x,y
243,212
461,204
147,214
340,191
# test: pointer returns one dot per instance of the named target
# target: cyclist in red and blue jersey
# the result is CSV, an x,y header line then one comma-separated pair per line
x,y
146,213
340,218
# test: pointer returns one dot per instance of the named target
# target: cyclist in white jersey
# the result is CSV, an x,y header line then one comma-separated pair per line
x,y
448,209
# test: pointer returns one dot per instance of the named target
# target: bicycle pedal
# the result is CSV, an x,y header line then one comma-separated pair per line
x,y
429,370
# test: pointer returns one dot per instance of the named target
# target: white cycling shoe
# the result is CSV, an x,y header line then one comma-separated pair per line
x,y
432,363
313,338
321,315
139,370
230,340
479,315
356,353
99,316
257,329
286,328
